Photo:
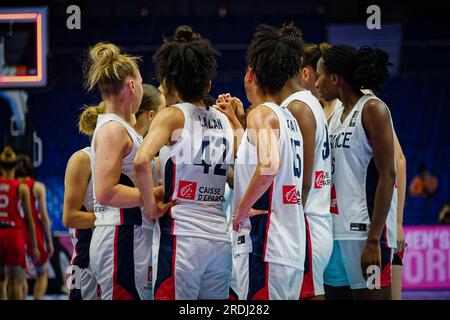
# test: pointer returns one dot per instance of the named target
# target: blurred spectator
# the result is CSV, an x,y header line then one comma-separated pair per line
x,y
444,214
424,184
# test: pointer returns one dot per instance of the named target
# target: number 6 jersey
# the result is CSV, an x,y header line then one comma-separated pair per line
x,y
194,171
355,179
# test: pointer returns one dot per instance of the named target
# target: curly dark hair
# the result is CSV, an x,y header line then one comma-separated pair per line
x,y
365,68
275,55
187,63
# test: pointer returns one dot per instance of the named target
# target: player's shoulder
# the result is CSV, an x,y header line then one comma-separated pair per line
x,y
79,159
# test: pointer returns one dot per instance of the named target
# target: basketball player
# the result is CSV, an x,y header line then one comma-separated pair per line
x,y
121,242
363,169
12,235
269,245
316,191
78,176
78,215
308,76
38,201
192,251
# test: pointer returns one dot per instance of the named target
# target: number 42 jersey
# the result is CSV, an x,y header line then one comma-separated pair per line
x,y
194,172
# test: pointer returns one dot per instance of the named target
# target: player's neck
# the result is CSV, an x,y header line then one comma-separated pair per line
x,y
123,111
8,175
292,86
349,98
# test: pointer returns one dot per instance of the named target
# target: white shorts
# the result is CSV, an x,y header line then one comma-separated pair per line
x,y
83,285
190,268
254,279
344,268
121,262
319,235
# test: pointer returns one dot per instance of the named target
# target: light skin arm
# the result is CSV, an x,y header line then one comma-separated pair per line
x,y
225,105
24,196
377,123
112,144
78,174
41,195
307,123
264,123
160,133
400,162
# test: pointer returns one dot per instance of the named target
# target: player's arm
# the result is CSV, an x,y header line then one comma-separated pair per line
x,y
112,144
400,163
263,128
46,222
307,123
227,105
24,196
78,174
377,124
166,122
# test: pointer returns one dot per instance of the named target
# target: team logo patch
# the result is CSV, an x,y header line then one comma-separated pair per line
x,y
186,190
318,181
333,206
353,119
290,195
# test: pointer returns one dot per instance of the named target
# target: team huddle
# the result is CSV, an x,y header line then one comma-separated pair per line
x,y
185,196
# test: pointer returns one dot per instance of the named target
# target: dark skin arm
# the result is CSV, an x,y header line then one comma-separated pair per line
x,y
307,122
377,124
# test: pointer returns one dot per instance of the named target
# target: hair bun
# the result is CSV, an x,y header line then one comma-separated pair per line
x,y
8,155
289,30
185,33
371,68
104,53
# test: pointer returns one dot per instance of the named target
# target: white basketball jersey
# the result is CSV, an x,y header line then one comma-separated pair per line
x,y
277,237
355,178
110,216
194,171
318,202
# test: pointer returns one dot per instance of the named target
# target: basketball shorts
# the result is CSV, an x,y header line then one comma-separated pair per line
x,y
344,268
121,262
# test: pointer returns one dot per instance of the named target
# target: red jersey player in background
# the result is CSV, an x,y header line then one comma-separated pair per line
x,y
12,241
25,174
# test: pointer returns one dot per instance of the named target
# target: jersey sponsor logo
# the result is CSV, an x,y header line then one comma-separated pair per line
x,y
318,181
186,190
333,206
322,179
290,195
210,194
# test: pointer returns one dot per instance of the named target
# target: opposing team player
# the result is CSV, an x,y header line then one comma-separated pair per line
x,y
192,251
25,174
269,246
363,173
12,234
316,191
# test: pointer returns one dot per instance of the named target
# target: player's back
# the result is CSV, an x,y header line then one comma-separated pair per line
x,y
9,203
194,173
279,237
